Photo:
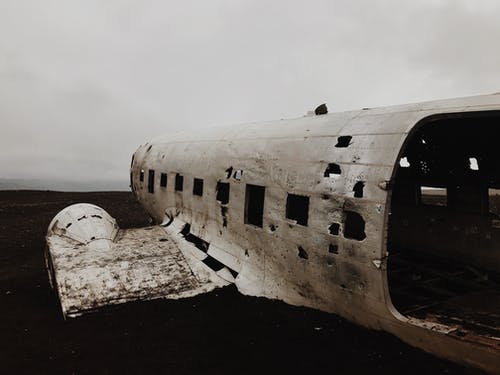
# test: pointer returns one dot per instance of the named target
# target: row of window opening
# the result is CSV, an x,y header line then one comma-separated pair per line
x,y
222,187
297,206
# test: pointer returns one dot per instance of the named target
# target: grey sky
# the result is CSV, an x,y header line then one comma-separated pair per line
x,y
83,83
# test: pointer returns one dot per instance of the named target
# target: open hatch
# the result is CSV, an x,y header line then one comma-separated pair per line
x,y
444,227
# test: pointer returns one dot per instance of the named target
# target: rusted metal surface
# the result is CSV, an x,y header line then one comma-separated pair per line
x,y
117,266
335,259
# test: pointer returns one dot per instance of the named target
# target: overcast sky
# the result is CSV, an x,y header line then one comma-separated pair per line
x,y
83,83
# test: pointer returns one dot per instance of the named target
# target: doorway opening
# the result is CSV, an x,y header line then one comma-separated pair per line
x,y
444,227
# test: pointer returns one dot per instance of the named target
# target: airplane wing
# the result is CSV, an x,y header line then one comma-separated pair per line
x,y
92,263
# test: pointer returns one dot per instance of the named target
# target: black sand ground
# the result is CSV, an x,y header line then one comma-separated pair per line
x,y
219,333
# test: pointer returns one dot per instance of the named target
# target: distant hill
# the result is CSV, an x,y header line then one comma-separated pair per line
x,y
62,185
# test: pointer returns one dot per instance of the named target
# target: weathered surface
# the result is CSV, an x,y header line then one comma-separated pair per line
x,y
96,264
298,210
335,259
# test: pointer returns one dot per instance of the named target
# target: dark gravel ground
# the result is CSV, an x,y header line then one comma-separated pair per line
x,y
221,332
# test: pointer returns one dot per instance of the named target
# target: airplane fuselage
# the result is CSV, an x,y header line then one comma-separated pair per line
x,y
299,210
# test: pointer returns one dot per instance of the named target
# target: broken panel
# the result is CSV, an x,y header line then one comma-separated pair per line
x,y
334,229
238,174
333,249
354,226
404,163
473,165
358,189
302,253
332,170
343,141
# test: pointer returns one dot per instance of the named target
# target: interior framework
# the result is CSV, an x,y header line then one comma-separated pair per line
x,y
444,227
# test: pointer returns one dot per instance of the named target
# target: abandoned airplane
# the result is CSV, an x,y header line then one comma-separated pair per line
x,y
388,217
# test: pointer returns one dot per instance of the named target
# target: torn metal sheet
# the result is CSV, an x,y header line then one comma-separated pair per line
x,y
94,264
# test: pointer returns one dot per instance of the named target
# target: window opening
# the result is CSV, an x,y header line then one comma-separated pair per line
x,y
433,196
198,187
222,191
163,180
254,204
179,182
151,181
494,202
297,208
